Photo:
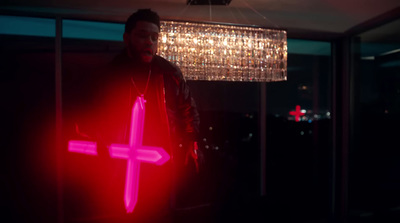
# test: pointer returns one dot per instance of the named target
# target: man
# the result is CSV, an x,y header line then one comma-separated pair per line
x,y
171,119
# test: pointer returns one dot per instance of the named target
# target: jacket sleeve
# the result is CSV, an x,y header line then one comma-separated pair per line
x,y
187,110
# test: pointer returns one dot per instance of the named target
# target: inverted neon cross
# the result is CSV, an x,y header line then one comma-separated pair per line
x,y
297,113
135,152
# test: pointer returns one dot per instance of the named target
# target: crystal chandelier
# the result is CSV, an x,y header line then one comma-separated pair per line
x,y
216,52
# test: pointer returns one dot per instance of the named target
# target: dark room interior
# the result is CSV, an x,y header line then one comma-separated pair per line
x,y
335,163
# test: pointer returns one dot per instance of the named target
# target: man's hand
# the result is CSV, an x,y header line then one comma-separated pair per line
x,y
192,152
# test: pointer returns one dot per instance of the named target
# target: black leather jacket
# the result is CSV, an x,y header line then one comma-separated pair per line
x,y
113,100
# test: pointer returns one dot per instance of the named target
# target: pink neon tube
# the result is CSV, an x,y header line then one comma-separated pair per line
x,y
134,153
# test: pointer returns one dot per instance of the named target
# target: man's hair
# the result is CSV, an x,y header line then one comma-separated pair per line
x,y
142,15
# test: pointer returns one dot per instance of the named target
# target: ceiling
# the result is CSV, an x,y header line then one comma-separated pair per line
x,y
296,16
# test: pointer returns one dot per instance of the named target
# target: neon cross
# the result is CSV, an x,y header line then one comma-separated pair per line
x,y
134,153
297,113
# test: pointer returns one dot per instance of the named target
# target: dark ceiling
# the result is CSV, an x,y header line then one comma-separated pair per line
x,y
313,16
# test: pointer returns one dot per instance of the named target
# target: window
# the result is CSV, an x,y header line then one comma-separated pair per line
x,y
374,188
299,152
27,95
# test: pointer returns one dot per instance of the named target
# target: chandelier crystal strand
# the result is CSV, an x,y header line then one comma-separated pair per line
x,y
217,52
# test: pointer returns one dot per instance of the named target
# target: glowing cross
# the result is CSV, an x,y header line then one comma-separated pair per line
x,y
297,113
134,153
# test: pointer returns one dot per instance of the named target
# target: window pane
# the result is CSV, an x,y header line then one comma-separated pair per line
x,y
27,26
299,134
375,159
230,117
92,30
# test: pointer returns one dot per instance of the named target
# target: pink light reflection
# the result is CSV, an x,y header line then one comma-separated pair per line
x,y
297,113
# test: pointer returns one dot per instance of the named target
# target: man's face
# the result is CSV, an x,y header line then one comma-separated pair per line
x,y
142,41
